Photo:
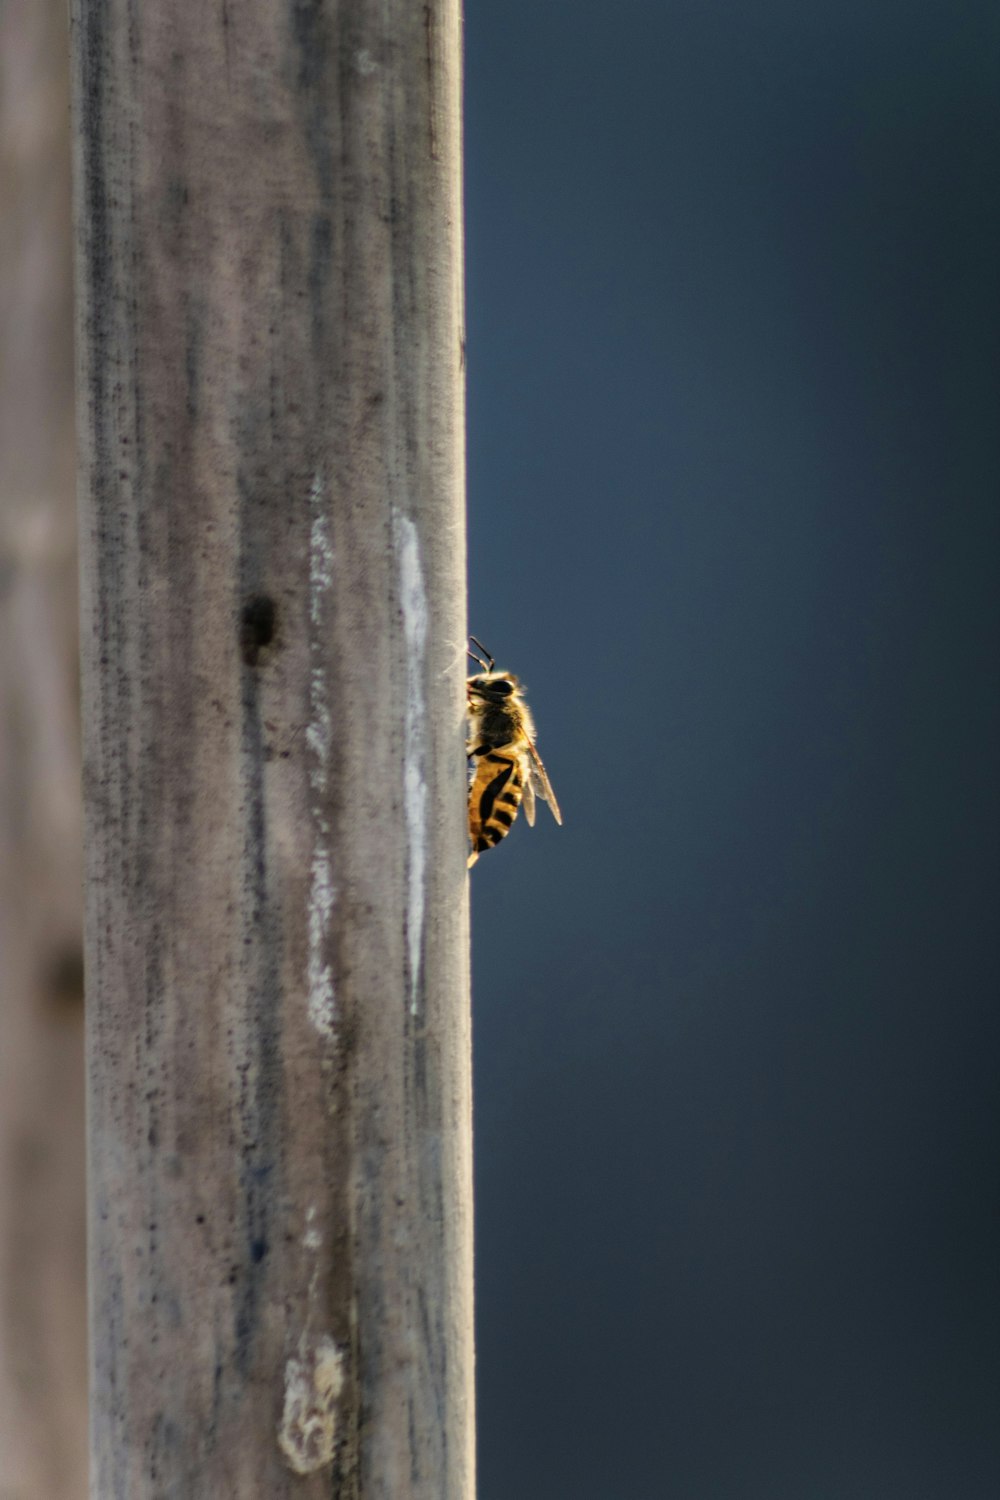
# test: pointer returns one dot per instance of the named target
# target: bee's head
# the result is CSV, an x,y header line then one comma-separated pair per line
x,y
494,687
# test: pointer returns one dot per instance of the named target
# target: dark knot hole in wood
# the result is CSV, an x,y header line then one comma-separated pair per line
x,y
257,626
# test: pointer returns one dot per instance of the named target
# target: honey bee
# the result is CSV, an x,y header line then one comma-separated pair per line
x,y
505,767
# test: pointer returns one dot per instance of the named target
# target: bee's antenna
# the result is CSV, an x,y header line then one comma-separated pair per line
x,y
486,661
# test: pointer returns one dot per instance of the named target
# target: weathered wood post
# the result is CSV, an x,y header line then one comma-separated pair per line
x,y
273,621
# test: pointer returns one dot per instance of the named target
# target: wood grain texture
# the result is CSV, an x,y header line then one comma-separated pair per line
x,y
273,622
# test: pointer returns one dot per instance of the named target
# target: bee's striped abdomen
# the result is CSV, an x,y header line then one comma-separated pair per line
x,y
494,796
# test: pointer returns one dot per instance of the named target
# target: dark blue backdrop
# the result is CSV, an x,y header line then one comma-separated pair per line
x,y
734,468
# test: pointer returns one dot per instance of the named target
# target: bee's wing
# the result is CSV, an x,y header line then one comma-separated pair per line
x,y
528,796
537,779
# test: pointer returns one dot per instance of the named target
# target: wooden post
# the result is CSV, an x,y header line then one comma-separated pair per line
x,y
273,626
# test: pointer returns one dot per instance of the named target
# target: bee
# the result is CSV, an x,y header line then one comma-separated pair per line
x,y
505,767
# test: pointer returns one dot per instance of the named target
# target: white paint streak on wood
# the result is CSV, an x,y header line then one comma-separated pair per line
x,y
312,1239
322,1003
413,599
321,1000
314,1379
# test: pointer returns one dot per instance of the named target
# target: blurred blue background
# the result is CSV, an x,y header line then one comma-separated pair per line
x,y
734,472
